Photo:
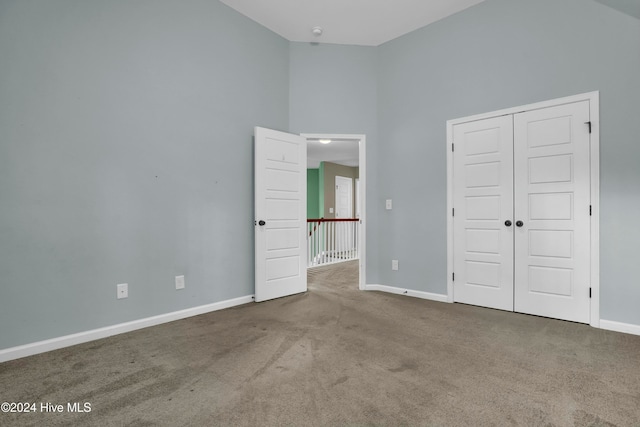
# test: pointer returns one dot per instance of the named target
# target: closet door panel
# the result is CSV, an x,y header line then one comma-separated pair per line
x,y
483,201
552,198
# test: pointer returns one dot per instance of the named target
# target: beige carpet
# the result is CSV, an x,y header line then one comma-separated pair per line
x,y
337,356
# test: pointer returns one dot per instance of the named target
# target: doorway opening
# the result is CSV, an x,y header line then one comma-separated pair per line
x,y
336,213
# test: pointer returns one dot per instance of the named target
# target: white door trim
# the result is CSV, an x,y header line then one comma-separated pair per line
x,y
362,156
357,188
594,102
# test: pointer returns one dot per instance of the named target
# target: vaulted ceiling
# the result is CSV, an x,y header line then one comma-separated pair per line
x,y
359,22
354,22
629,7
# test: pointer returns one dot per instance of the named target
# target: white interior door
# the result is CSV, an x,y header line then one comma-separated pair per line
x,y
280,214
344,231
344,197
552,205
483,201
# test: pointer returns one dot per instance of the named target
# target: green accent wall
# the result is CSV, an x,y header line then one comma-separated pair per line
x,y
313,193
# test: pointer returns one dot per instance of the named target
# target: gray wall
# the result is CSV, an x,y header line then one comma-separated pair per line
x,y
333,89
126,152
126,156
630,7
499,54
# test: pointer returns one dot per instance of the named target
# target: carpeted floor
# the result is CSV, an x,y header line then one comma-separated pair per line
x,y
336,356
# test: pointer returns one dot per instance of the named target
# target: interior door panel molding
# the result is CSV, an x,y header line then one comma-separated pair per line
x,y
280,174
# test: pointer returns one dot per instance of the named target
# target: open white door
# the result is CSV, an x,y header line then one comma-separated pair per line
x,y
280,214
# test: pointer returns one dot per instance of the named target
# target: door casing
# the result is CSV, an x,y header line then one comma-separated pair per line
x,y
593,98
362,157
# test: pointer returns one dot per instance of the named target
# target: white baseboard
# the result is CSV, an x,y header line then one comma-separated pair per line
x,y
627,328
407,292
95,334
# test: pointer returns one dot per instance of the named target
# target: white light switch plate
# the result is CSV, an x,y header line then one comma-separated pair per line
x,y
179,282
389,204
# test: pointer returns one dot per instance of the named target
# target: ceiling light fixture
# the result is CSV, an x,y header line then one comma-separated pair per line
x,y
317,31
324,141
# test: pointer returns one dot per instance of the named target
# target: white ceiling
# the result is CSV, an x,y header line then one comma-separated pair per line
x,y
341,151
354,22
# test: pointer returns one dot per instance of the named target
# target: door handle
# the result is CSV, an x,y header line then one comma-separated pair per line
x,y
519,223
261,222
507,223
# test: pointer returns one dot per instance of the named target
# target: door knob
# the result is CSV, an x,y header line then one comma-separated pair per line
x,y
261,222
519,223
507,223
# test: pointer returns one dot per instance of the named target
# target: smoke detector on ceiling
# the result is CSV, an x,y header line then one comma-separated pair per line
x,y
317,31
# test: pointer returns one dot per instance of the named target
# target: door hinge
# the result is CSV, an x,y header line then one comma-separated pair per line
x,y
590,210
453,211
453,277
452,148
589,124
589,292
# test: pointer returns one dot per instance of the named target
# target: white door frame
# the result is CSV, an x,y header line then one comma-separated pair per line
x,y
362,159
357,188
594,106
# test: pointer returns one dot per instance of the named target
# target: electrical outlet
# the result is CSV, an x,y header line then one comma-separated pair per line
x,y
394,264
388,204
330,210
179,282
123,290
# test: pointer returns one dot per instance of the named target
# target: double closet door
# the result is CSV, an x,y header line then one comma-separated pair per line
x,y
521,226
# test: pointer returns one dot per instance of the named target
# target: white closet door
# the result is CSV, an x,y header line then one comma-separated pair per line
x,y
552,181
483,201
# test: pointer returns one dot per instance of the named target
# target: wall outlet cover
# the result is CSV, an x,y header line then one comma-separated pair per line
x,y
394,264
388,204
122,290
